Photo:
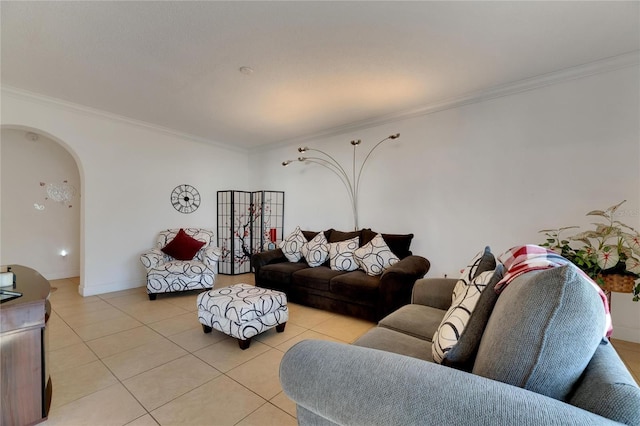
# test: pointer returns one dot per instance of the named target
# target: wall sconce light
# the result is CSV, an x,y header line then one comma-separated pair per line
x,y
63,253
350,182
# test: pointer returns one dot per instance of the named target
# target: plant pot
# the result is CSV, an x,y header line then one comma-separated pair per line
x,y
618,282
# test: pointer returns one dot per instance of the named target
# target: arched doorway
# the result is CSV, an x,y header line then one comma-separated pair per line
x,y
40,195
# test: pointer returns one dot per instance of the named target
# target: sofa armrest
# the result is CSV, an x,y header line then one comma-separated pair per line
x,y
152,258
266,257
211,256
340,384
263,258
434,292
397,281
414,266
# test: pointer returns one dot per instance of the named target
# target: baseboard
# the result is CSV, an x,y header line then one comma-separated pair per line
x,y
626,333
626,317
61,275
108,288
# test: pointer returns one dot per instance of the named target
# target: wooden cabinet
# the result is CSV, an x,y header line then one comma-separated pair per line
x,y
26,386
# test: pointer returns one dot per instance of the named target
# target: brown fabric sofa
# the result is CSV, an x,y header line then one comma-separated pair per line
x,y
352,293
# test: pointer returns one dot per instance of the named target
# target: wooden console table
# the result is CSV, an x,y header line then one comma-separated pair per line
x,y
26,386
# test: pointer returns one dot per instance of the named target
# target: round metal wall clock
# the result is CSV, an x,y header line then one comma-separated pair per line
x,y
185,198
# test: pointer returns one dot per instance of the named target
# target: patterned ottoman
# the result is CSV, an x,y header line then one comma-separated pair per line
x,y
242,311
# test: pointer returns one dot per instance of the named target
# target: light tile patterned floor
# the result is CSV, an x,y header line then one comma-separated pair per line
x,y
120,359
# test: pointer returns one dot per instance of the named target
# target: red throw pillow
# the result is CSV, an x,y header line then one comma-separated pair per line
x,y
183,246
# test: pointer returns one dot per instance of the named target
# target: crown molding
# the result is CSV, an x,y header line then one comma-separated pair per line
x,y
82,109
580,71
572,73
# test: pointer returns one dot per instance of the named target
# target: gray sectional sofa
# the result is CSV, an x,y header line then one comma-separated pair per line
x,y
351,293
534,355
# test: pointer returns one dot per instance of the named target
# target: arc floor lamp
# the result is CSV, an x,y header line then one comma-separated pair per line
x,y
351,181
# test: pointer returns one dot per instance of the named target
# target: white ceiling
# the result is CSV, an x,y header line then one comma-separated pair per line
x,y
318,66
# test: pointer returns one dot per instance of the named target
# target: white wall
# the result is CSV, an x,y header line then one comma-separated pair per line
x,y
127,172
36,237
493,172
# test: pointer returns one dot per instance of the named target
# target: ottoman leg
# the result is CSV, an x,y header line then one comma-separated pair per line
x,y
152,296
244,344
206,328
280,327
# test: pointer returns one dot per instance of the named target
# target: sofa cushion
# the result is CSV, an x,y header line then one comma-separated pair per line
x,y
317,278
292,245
316,251
457,316
398,243
337,236
356,286
183,246
281,272
308,235
434,292
415,320
190,269
341,255
388,340
463,354
544,329
375,256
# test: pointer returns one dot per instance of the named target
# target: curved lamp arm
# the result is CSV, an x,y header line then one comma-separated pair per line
x,y
357,182
352,184
331,159
338,171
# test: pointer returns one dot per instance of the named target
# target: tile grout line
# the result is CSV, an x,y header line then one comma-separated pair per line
x,y
627,362
113,373
147,411
119,381
189,352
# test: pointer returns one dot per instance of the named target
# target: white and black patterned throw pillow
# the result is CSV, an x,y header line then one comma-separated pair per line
x,y
481,262
455,320
316,251
292,245
375,256
341,255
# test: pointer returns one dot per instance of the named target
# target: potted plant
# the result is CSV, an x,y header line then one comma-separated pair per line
x,y
609,254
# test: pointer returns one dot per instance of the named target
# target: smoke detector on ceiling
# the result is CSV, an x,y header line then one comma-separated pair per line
x,y
32,136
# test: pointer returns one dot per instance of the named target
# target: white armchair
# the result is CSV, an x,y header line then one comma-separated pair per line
x,y
166,274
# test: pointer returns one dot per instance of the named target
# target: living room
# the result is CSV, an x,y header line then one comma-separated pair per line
x,y
535,142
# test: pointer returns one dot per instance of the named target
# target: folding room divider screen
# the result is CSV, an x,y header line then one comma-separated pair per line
x,y
248,222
